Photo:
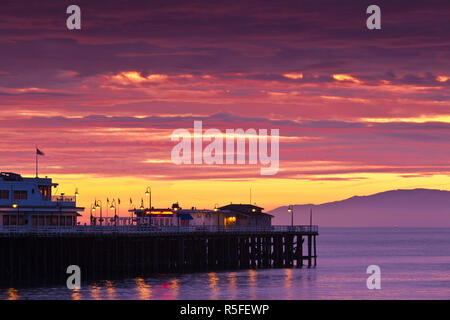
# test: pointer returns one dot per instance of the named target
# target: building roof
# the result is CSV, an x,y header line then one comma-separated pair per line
x,y
10,176
246,209
241,207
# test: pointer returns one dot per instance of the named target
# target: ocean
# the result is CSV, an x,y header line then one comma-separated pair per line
x,y
414,264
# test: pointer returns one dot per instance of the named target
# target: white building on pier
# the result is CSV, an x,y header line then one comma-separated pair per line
x,y
29,202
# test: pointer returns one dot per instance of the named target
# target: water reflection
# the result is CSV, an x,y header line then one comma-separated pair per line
x,y
12,294
232,285
167,290
76,294
110,290
288,283
144,290
95,292
174,286
252,283
213,281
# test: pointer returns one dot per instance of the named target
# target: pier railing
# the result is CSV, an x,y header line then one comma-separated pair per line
x,y
64,198
305,229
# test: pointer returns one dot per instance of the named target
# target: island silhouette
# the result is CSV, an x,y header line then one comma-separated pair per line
x,y
394,208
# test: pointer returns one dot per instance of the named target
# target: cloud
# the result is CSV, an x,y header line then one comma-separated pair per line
x,y
103,100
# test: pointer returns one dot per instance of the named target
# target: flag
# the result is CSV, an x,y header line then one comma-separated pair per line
x,y
131,201
118,200
39,152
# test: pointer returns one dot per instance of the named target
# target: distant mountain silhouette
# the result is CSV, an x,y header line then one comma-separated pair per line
x,y
402,208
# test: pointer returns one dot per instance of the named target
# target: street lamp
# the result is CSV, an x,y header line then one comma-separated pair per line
x,y
113,207
99,206
148,193
291,211
92,210
218,215
15,205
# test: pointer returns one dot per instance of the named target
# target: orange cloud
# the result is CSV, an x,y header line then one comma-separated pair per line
x,y
293,76
127,77
442,78
345,77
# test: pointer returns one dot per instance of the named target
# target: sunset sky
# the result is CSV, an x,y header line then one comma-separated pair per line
x,y
359,111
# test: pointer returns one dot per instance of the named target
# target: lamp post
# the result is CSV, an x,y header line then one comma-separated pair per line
x,y
148,193
141,219
118,210
218,215
113,207
92,210
99,207
291,211
15,205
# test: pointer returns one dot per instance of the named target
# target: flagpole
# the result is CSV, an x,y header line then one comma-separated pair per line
x,y
36,163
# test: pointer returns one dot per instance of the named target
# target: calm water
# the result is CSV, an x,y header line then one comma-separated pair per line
x,y
415,264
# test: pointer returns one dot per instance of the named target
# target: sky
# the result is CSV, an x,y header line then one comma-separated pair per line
x,y
359,111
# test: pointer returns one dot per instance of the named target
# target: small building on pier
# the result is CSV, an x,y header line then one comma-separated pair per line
x,y
176,216
229,215
247,215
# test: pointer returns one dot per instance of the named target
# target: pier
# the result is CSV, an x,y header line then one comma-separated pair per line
x,y
41,255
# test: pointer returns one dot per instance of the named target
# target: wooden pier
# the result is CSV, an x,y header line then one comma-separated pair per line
x,y
42,256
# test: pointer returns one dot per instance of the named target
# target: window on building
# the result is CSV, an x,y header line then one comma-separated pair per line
x,y
229,221
6,220
20,195
45,192
4,194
